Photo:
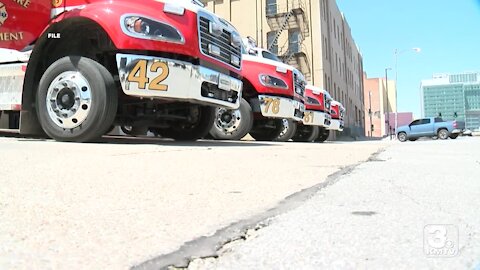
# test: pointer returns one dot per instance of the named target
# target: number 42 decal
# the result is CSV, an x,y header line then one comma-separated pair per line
x,y
139,72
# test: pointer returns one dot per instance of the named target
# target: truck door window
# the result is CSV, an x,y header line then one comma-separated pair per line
x,y
425,121
438,120
270,56
414,123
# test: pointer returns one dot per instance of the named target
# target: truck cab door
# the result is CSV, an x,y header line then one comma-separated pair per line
x,y
425,128
22,21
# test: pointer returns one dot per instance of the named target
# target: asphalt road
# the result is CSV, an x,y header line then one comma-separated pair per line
x,y
414,206
123,203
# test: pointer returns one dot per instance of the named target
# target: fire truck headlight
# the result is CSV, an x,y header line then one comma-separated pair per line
x,y
235,60
236,40
147,28
271,81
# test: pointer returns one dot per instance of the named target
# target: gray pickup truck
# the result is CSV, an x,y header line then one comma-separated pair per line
x,y
430,127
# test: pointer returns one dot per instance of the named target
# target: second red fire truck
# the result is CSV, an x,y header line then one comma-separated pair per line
x,y
272,91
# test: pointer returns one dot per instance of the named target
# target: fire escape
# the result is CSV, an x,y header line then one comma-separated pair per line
x,y
290,16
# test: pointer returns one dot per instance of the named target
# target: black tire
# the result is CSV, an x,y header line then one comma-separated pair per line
x,y
402,136
101,111
232,124
135,130
442,134
453,136
323,134
192,131
266,130
306,133
289,128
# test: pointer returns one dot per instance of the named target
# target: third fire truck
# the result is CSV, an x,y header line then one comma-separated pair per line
x,y
337,113
317,116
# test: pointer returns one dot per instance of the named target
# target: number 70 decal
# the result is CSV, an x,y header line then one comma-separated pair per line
x,y
138,75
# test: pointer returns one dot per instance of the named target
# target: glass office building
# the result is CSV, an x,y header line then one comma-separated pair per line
x,y
453,97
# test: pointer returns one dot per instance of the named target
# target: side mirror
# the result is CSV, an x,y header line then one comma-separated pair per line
x,y
252,52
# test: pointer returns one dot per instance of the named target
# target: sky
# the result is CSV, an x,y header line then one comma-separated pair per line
x,y
447,31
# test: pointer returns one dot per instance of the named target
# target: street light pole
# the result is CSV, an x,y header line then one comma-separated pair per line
x,y
388,102
370,112
396,53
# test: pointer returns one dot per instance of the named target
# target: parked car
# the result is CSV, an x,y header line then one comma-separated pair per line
x,y
430,127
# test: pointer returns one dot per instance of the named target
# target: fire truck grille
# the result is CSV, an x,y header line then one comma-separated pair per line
x,y
299,84
219,47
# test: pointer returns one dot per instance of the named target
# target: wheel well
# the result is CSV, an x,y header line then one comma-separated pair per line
x,y
90,40
444,128
248,90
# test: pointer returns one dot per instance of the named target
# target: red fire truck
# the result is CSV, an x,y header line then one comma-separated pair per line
x,y
273,91
337,113
317,116
75,68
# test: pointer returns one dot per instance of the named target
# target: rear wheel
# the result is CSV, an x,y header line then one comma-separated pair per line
x,y
306,134
323,134
267,130
232,124
289,127
76,100
201,122
453,136
402,136
442,134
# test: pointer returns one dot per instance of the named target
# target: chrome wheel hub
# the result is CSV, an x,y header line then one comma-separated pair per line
x,y
285,127
228,121
69,98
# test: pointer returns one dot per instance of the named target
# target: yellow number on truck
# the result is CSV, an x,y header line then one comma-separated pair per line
x,y
138,74
308,117
272,104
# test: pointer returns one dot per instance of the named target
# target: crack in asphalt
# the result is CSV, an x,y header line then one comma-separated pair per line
x,y
206,247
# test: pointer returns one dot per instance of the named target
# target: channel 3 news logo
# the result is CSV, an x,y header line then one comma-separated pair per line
x,y
440,240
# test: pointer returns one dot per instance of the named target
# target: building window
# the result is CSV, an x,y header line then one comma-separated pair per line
x,y
270,40
271,7
294,40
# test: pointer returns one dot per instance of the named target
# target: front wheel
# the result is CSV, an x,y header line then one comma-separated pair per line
x,y
402,136
289,127
323,135
267,130
442,134
306,134
76,100
232,124
201,121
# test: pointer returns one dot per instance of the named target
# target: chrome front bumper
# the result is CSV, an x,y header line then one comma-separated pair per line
x,y
336,124
315,118
279,107
162,78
